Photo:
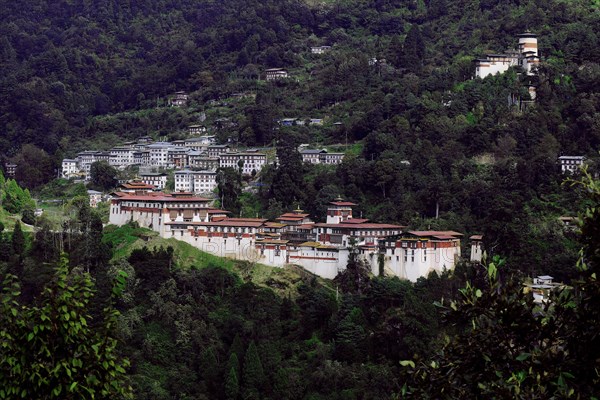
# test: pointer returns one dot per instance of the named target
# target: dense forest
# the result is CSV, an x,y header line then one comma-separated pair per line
x,y
93,312
425,140
426,146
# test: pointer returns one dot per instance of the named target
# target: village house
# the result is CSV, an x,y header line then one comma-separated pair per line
x,y
570,164
141,157
202,161
69,168
476,248
416,254
195,181
215,150
121,156
157,179
273,74
311,156
159,154
321,157
253,162
541,287
85,159
194,130
95,198
10,169
320,49
178,157
178,99
331,158
526,57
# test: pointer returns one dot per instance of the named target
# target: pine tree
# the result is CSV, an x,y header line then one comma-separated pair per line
x,y
18,239
232,387
253,374
209,366
234,363
414,50
237,347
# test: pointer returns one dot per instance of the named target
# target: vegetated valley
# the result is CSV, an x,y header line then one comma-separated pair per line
x,y
91,310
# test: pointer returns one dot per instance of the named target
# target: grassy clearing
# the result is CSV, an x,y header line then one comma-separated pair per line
x,y
284,281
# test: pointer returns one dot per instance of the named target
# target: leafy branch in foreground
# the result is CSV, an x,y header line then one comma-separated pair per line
x,y
506,346
49,350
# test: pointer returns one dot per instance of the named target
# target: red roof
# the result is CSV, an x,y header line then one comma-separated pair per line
x,y
342,203
223,222
274,225
261,220
137,185
450,234
360,226
292,216
305,226
356,221
476,237
159,196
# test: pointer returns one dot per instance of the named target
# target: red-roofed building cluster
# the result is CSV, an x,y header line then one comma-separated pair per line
x,y
321,248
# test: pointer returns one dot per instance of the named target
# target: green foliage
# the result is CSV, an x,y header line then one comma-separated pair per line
x,y
253,377
229,183
50,351
15,199
102,176
232,387
506,346
18,240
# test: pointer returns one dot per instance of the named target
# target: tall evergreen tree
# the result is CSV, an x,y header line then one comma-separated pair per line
x,y
18,239
232,387
253,375
413,50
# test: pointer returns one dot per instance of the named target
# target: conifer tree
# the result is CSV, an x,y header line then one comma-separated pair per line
x,y
237,347
209,366
232,387
18,239
253,374
234,363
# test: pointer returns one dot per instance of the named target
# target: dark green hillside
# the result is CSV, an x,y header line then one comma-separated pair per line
x,y
80,75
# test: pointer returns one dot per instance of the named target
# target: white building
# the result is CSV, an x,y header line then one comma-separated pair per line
x,y
69,168
205,181
195,181
200,160
570,164
321,157
156,179
184,180
476,248
156,210
384,247
253,161
416,254
95,198
159,154
273,74
121,156
85,159
311,156
179,99
526,57
320,49
196,129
